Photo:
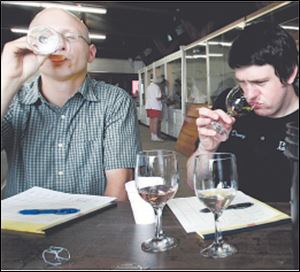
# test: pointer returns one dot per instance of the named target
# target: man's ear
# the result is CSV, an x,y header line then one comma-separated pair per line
x,y
92,53
294,74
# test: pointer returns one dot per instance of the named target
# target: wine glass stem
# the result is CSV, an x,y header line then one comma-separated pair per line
x,y
158,226
218,235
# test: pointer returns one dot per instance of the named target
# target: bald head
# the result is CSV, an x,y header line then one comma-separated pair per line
x,y
60,17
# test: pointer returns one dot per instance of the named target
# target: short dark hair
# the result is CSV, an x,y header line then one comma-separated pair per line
x,y
265,43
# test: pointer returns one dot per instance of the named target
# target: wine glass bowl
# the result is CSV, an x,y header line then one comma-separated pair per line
x,y
156,179
215,184
236,106
44,40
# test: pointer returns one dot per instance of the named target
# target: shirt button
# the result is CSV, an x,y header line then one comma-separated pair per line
x,y
60,145
262,138
63,117
60,173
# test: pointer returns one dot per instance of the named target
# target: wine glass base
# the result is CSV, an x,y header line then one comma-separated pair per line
x,y
216,252
159,245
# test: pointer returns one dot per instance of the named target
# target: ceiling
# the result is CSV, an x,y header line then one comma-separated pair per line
x,y
144,31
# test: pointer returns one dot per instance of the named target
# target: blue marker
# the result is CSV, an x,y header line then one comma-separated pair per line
x,y
49,211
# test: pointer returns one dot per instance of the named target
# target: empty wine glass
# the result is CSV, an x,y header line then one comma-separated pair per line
x,y
215,184
236,105
44,40
156,179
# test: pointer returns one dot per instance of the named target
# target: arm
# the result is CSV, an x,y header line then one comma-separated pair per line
x,y
121,143
116,179
190,164
20,64
209,138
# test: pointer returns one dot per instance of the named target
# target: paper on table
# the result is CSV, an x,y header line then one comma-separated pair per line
x,y
40,198
143,212
187,211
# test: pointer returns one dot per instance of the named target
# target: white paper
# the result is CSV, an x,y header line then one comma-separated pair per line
x,y
187,211
40,198
143,212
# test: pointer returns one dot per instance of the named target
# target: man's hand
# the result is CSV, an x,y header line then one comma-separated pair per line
x,y
18,64
209,138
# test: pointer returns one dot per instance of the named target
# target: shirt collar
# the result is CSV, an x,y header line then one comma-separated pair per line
x,y
30,93
87,89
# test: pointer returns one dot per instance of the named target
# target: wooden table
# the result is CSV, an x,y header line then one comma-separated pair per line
x,y
110,238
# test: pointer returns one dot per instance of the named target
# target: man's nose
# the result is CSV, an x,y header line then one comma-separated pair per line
x,y
63,46
250,92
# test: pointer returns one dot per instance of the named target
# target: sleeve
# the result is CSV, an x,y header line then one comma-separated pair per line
x,y
121,140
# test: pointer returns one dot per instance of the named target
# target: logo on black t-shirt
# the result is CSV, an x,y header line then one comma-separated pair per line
x,y
234,133
281,146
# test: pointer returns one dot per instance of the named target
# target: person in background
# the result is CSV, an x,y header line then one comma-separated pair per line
x,y
265,61
154,108
177,93
64,131
164,88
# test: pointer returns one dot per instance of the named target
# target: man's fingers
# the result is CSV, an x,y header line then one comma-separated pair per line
x,y
202,121
208,113
203,131
224,116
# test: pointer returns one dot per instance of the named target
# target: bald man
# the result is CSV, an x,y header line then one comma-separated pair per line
x,y
64,131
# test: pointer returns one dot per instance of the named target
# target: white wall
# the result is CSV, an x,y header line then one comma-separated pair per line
x,y
115,66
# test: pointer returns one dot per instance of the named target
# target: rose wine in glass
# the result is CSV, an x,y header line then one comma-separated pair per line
x,y
156,179
215,184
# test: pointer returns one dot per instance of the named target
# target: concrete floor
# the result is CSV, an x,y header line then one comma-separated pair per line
x,y
169,143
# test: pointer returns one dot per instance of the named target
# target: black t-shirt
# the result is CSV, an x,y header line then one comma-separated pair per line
x,y
258,142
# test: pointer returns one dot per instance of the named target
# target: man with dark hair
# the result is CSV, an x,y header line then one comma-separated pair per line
x,y
265,61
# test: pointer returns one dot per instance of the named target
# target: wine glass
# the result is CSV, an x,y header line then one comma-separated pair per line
x,y
215,184
236,105
156,179
44,40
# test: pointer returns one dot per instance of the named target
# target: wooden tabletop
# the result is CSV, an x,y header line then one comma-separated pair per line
x,y
110,238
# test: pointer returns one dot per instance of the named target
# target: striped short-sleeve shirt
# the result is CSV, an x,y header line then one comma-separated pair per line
x,y
69,148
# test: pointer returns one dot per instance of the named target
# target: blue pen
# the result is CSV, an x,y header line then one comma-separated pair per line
x,y
49,211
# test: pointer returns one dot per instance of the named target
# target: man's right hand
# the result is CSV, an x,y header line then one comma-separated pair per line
x,y
18,62
209,138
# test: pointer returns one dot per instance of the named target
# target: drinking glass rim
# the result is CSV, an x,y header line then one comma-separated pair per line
x,y
154,152
215,153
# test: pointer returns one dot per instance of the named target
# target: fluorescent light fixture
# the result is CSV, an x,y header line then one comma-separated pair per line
x,y
290,27
91,35
54,5
196,57
19,30
202,56
225,44
97,36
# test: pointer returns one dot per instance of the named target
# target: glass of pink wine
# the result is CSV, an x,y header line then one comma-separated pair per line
x,y
156,179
